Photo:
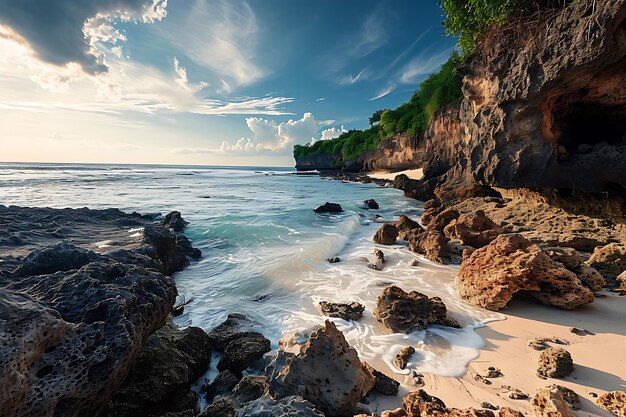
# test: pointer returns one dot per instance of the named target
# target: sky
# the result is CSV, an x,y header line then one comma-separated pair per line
x,y
204,82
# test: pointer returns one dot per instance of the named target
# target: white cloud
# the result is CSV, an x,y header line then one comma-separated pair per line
x,y
349,79
386,90
423,64
271,136
332,133
127,86
221,36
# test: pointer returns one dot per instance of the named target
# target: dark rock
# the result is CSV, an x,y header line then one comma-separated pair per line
x,y
383,384
371,204
174,221
327,372
402,358
160,378
292,406
249,388
345,311
555,363
378,262
243,351
221,407
221,386
407,312
57,258
170,249
329,208
386,235
333,259
230,329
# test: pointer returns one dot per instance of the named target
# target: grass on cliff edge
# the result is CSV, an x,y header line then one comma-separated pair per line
x,y
438,90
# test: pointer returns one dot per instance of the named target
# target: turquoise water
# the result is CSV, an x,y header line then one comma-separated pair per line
x,y
264,249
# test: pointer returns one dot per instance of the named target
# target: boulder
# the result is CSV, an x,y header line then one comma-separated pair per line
x,y
610,261
473,229
249,388
371,204
383,384
333,259
555,363
614,402
442,219
329,208
160,378
510,264
233,327
569,257
221,386
589,277
432,244
292,406
386,235
549,402
345,311
170,249
420,403
405,226
243,351
401,360
404,312
327,372
174,221
621,283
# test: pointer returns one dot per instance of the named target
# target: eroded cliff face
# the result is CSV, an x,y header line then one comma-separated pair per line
x,y
544,106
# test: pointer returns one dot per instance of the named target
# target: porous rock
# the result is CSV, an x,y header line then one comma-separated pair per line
x,y
432,244
383,384
243,351
406,226
327,372
404,312
345,311
473,229
493,274
291,406
555,363
549,402
614,402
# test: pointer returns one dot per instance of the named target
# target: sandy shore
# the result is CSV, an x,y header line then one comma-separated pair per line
x,y
600,359
414,174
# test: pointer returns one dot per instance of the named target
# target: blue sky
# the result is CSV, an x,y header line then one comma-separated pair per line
x,y
204,81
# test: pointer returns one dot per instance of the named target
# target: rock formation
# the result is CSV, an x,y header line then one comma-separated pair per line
x,y
329,208
549,402
511,264
345,311
404,312
386,235
473,229
555,363
327,372
407,226
614,402
432,244
74,320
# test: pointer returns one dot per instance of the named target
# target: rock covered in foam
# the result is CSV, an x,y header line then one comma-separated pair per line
x,y
493,274
327,372
405,312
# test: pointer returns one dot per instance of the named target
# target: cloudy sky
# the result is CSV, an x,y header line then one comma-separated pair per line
x,y
223,82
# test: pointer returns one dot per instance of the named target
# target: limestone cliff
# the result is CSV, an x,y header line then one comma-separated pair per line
x,y
544,107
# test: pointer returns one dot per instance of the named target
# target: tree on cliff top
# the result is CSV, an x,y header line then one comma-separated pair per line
x,y
469,19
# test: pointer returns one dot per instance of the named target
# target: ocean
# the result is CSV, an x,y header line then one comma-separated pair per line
x,y
265,250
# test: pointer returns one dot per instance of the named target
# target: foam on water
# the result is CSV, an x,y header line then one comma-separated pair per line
x,y
264,250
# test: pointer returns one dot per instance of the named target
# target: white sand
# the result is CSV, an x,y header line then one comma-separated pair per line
x,y
599,359
414,174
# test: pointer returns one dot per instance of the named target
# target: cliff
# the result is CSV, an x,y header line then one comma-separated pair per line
x,y
544,106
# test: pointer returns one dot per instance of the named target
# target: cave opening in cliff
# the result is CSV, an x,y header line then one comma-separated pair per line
x,y
588,125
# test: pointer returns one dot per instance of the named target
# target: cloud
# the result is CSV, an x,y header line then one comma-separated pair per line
x,y
349,79
67,31
423,64
320,99
128,86
332,133
386,90
221,36
271,136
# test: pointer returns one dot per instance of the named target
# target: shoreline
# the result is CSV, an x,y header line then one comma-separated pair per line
x,y
413,174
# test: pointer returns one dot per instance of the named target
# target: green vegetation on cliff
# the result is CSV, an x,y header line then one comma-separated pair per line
x,y
469,19
438,90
